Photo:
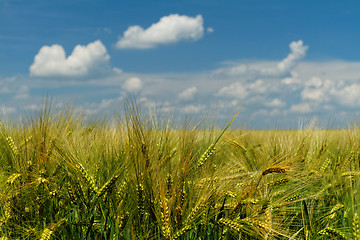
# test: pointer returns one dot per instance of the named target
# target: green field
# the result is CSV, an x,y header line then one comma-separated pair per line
x,y
64,177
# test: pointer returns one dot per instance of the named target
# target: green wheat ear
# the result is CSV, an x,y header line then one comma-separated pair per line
x,y
355,227
211,149
332,232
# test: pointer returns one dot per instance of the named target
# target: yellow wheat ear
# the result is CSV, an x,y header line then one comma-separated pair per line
x,y
355,227
332,232
12,145
211,149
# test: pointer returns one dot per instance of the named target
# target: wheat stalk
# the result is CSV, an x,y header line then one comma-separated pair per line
x,y
123,218
350,174
48,232
301,146
195,212
273,170
182,195
121,190
169,185
211,149
182,231
165,219
335,209
108,186
88,179
208,152
25,141
355,227
71,193
348,160
235,226
277,182
141,198
293,197
178,215
46,235
329,231
321,150
325,165
12,146
13,177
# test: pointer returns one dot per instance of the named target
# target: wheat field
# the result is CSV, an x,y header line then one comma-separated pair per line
x,y
64,177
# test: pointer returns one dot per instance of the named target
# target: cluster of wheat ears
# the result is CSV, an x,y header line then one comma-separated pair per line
x,y
64,177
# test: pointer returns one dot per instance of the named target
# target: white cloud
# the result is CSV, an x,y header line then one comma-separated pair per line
x,y
343,93
118,70
7,110
188,94
52,61
307,89
170,29
301,108
298,51
148,102
235,90
260,70
290,81
317,95
102,107
22,92
33,107
276,102
349,95
317,90
192,109
265,113
133,84
314,82
259,86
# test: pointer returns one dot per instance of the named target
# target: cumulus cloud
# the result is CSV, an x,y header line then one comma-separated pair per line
x,y
234,90
283,68
192,109
266,113
133,84
117,70
170,29
188,94
298,51
343,93
102,107
276,102
280,69
270,84
259,86
301,108
7,110
22,92
52,60
348,95
269,91
210,30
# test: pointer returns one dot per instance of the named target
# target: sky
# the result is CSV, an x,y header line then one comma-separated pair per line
x,y
285,64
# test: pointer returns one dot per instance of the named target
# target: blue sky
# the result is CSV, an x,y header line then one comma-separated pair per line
x,y
283,62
